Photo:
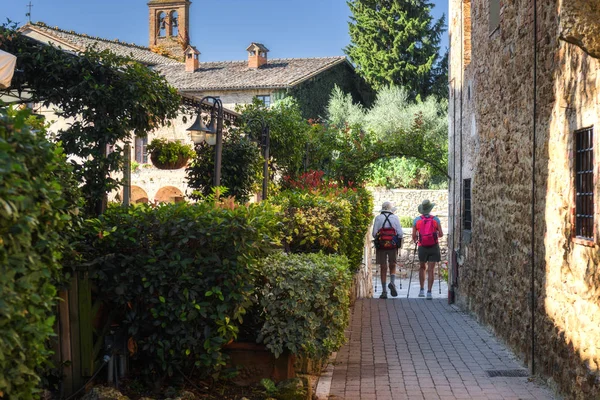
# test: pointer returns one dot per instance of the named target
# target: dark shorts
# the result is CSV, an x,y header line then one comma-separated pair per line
x,y
430,254
386,256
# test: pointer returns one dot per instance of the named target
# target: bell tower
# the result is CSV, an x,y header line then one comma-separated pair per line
x,y
169,22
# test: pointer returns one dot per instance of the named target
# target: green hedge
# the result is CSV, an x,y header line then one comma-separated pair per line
x,y
181,276
313,222
35,214
305,303
322,216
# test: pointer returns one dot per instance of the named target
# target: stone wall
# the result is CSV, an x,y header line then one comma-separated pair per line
x,y
407,201
491,142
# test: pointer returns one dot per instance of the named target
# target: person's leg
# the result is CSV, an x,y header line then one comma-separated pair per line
x,y
430,279
392,263
432,259
422,263
383,271
383,275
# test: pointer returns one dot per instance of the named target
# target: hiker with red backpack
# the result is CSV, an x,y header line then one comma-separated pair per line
x,y
388,234
427,229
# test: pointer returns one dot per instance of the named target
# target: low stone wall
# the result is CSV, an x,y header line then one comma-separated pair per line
x,y
407,201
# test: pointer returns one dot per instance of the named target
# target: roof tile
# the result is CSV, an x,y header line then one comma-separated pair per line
x,y
278,73
82,41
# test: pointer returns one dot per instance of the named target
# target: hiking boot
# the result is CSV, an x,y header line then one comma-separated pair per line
x,y
422,293
429,296
393,290
383,295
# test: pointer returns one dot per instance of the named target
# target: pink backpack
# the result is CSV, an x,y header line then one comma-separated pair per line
x,y
427,228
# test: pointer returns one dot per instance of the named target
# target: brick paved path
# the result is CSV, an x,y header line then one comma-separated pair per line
x,y
423,349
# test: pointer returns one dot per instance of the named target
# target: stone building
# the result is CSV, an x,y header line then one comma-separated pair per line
x,y
523,137
310,80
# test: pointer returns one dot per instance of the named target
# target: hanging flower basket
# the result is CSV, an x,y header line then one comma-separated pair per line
x,y
179,163
169,155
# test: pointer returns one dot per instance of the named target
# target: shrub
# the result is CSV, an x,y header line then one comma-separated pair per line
x,y
361,202
313,208
305,303
313,222
181,276
406,221
35,196
239,171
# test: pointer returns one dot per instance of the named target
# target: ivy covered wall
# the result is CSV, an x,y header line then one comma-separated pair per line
x,y
313,94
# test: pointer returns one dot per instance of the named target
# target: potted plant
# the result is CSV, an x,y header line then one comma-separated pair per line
x,y
169,154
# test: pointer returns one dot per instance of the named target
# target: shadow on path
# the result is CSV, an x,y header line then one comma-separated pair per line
x,y
424,349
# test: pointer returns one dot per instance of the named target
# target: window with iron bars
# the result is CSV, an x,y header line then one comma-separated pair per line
x,y
466,217
584,184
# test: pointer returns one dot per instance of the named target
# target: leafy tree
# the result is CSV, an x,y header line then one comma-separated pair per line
x,y
108,98
288,132
395,126
396,42
342,110
240,168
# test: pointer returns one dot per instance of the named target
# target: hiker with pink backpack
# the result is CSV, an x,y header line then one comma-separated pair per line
x,y
427,229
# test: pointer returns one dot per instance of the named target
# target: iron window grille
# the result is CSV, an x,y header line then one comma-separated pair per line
x,y
584,184
467,204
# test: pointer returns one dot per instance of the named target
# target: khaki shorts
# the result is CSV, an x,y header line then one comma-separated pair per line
x,y
430,254
386,256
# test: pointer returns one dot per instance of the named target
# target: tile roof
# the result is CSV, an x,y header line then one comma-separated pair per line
x,y
279,73
80,41
221,75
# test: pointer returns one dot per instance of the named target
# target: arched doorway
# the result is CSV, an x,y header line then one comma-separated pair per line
x,y
138,195
169,194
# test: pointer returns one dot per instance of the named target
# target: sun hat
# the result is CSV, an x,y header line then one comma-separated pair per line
x,y
387,207
425,207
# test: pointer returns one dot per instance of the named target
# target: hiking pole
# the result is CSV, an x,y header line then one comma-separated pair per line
x,y
411,270
375,264
399,264
440,276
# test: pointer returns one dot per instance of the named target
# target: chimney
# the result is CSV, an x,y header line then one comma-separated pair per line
x,y
192,60
257,55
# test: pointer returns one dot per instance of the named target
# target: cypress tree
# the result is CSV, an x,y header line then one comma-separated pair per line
x,y
397,42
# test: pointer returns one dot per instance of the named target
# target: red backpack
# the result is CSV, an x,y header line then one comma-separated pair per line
x,y
387,238
428,234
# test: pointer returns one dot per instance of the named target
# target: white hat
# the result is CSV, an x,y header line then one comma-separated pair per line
x,y
387,207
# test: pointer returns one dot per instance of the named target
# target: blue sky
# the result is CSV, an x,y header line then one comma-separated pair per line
x,y
220,29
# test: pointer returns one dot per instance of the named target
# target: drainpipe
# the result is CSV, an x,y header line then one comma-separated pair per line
x,y
460,171
533,183
451,292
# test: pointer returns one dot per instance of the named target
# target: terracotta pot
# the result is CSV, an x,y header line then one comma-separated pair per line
x,y
255,362
180,163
